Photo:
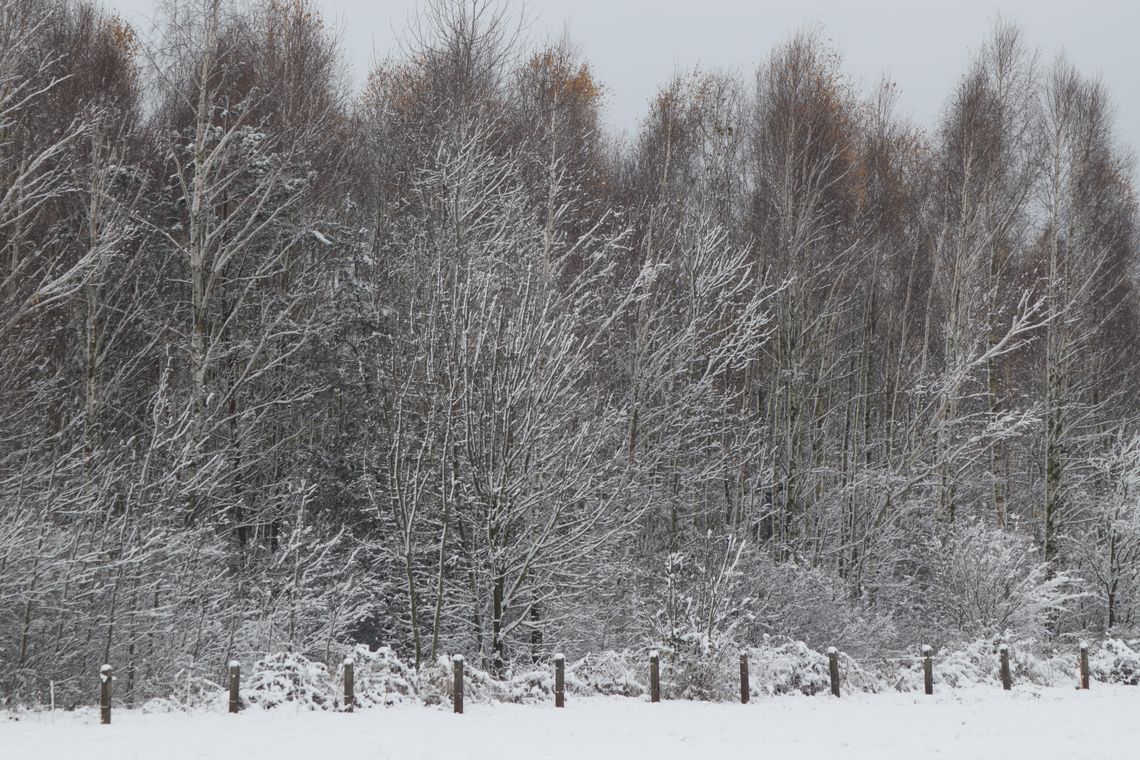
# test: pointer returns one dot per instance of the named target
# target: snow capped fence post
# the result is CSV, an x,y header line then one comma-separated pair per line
x,y
105,695
457,687
559,681
833,668
743,678
1006,682
928,668
654,676
1084,663
235,686
349,686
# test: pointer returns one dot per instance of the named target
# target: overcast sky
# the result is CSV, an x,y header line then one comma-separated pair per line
x,y
636,45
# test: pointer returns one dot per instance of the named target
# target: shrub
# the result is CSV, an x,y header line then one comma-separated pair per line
x,y
380,677
610,673
783,666
972,581
290,677
1115,662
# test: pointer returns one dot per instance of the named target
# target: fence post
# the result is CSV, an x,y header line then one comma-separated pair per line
x,y
559,680
928,668
457,687
1084,665
1006,681
235,686
349,686
105,695
654,676
744,678
833,667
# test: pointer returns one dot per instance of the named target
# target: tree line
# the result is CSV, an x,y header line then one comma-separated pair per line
x,y
440,363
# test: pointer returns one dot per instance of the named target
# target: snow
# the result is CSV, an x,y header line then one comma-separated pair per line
x,y
1030,723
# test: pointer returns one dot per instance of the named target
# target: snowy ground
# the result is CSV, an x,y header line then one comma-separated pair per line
x,y
974,723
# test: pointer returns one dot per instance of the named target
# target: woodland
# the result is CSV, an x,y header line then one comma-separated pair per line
x,y
441,363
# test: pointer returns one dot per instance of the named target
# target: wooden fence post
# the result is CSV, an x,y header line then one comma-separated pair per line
x,y
928,668
1006,681
235,686
105,695
654,676
744,678
1084,662
560,680
349,686
457,687
833,667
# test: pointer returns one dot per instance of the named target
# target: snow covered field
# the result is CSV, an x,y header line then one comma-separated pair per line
x,y
971,723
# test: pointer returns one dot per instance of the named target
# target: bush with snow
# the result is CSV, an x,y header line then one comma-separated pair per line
x,y
783,666
1115,662
977,663
436,684
610,673
289,677
694,667
380,677
787,667
535,684
192,691
971,580
968,665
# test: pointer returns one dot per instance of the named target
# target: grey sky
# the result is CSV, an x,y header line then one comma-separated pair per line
x,y
635,45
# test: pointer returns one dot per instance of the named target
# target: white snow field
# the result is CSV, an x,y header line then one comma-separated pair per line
x,y
1041,724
